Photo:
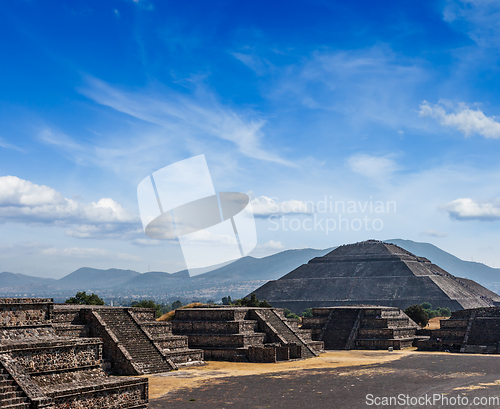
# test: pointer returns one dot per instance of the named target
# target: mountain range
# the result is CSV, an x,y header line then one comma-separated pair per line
x,y
236,279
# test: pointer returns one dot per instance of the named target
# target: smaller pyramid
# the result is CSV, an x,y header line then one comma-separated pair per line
x,y
373,273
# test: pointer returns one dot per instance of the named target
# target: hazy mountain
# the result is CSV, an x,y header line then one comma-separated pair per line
x,y
236,279
266,268
13,280
157,279
484,275
87,277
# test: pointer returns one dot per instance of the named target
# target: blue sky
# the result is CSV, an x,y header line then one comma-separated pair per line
x,y
290,102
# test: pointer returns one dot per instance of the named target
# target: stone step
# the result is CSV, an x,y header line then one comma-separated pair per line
x,y
142,351
4,396
23,405
13,401
11,388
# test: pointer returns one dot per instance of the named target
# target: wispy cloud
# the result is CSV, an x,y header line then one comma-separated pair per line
x,y
480,18
7,145
263,206
372,84
374,167
199,115
434,233
466,120
85,252
469,209
257,64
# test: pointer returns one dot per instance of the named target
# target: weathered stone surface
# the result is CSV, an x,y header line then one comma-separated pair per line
x,y
38,369
361,327
472,330
244,334
133,342
374,273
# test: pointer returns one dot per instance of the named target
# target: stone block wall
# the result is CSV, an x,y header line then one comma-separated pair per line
x,y
52,372
13,333
18,312
143,314
122,396
485,331
471,331
262,354
56,356
363,327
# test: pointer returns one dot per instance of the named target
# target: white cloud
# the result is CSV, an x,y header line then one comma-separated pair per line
x,y
264,206
197,116
24,201
375,167
20,249
146,242
466,120
273,245
434,233
81,252
468,209
105,231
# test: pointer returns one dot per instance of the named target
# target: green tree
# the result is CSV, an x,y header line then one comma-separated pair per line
x,y
176,304
83,298
226,300
443,312
308,312
417,313
252,302
426,306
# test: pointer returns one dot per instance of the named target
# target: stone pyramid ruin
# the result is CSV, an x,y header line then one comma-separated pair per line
x,y
373,273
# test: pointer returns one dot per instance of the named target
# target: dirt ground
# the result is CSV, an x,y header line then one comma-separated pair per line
x,y
434,322
336,379
196,376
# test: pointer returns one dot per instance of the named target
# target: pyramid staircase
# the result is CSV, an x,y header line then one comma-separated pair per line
x,y
282,331
361,327
146,358
11,394
244,334
134,342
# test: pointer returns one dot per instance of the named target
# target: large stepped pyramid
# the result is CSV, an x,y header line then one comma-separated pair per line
x,y
373,273
361,327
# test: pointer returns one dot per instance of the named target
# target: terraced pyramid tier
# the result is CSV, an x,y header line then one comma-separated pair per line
x,y
372,273
361,327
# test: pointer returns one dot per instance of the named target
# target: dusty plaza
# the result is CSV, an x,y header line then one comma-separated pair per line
x,y
337,379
